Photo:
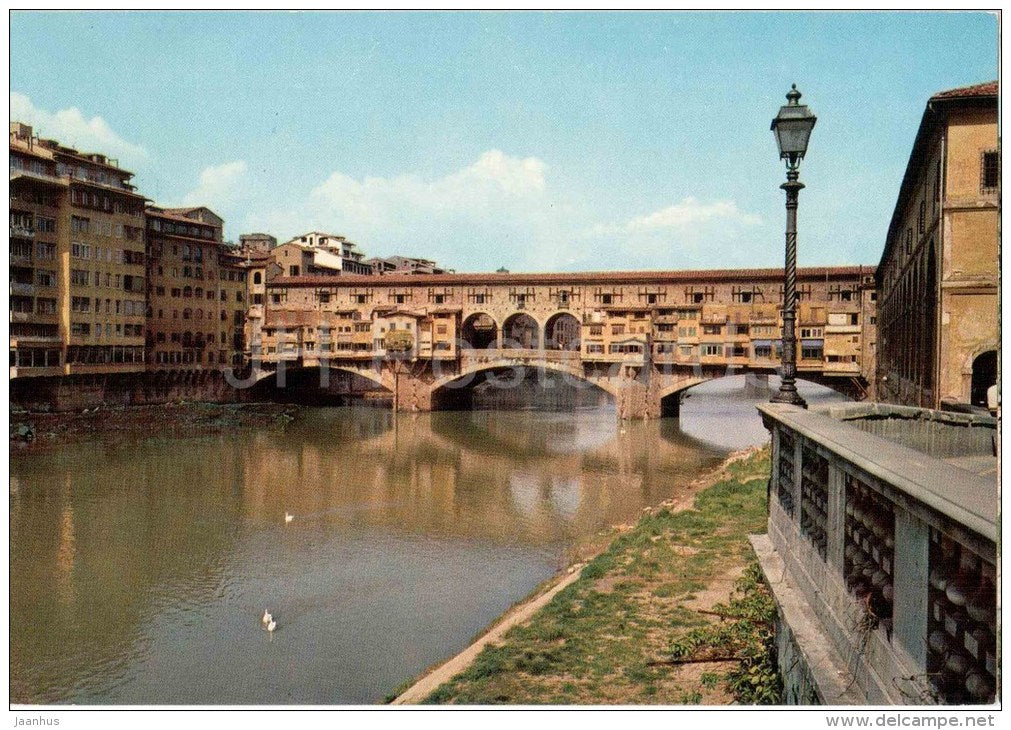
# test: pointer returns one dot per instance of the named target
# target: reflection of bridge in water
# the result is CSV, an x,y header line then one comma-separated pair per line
x,y
535,476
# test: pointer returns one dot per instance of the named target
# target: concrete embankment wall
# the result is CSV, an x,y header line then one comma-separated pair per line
x,y
77,392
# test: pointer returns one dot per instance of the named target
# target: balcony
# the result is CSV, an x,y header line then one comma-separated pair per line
x,y
881,544
18,287
22,231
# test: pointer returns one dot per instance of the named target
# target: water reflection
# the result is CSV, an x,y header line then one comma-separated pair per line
x,y
139,570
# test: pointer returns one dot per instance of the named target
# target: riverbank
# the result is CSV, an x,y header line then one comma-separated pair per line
x,y
670,611
34,431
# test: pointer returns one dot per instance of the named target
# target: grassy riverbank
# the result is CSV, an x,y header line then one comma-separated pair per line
x,y
41,430
672,612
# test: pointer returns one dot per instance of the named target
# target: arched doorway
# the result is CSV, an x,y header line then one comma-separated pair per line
x,y
984,374
479,331
561,332
521,331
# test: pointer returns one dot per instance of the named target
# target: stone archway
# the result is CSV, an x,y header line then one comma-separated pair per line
x,y
479,331
984,374
521,331
562,332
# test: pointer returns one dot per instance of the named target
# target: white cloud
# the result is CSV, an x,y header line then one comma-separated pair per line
x,y
680,216
72,128
688,234
219,185
494,181
464,218
502,210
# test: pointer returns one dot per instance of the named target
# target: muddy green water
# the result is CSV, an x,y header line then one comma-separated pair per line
x,y
140,569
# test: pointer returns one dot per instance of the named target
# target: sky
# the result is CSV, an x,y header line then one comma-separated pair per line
x,y
530,141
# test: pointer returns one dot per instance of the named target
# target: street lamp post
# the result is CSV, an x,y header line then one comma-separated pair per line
x,y
792,127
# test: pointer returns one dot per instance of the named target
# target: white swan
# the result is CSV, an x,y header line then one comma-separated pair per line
x,y
267,618
271,626
288,517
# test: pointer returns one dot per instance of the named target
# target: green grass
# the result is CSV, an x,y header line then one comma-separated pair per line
x,y
594,642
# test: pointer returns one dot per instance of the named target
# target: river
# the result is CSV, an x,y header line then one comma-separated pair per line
x,y
139,569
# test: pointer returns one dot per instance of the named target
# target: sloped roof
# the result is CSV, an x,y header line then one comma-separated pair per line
x,y
604,278
987,88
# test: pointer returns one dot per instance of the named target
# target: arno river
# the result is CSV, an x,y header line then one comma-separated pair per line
x,y
139,570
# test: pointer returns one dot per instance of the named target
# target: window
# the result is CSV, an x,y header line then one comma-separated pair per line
x,y
711,350
293,271
989,172
811,351
80,277
257,278
45,277
594,349
921,219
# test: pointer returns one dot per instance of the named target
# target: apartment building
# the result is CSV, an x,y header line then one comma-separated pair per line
x,y
197,293
379,266
77,261
322,254
938,325
256,243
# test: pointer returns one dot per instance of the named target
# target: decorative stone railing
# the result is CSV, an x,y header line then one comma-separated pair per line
x,y
881,553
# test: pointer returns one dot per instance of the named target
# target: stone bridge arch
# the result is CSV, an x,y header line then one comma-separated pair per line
x,y
474,331
381,377
440,390
523,331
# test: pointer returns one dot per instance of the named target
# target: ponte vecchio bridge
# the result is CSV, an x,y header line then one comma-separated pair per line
x,y
643,337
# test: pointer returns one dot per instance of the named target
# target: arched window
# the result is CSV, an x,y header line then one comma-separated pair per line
x,y
257,278
187,313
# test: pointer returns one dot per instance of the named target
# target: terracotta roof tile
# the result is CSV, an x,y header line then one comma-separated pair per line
x,y
577,277
987,88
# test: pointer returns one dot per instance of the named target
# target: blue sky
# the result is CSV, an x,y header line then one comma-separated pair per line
x,y
540,141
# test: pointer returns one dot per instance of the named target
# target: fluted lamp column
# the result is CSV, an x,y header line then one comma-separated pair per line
x,y
792,127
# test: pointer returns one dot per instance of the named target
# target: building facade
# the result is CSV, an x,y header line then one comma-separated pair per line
x,y
938,325
404,265
331,253
77,276
259,243
604,327
197,291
